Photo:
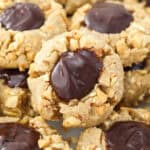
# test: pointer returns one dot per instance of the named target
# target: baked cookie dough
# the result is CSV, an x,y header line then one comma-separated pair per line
x,y
137,85
146,2
14,94
71,5
34,135
127,129
24,25
126,25
76,75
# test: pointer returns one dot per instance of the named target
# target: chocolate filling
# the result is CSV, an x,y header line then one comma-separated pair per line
x,y
108,18
128,135
22,16
15,136
135,67
76,74
14,78
147,2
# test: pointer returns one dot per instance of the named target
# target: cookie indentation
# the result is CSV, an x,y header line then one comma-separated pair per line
x,y
76,74
128,135
22,16
14,78
14,136
108,18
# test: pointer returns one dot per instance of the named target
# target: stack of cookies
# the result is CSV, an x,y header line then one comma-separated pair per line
x,y
85,63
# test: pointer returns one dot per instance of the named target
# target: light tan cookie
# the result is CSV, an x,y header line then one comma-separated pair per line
x,y
14,94
34,135
14,101
137,85
126,25
125,129
72,5
78,76
23,28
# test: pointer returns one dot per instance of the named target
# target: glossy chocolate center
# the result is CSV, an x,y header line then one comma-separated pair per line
x,y
108,18
128,135
147,2
14,78
135,67
18,137
22,16
76,74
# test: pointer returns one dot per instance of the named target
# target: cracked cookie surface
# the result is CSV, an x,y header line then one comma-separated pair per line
x,y
17,47
83,102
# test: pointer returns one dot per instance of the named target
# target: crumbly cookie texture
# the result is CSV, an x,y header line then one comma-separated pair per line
x,y
137,86
17,49
72,5
94,138
145,3
14,102
95,107
133,43
49,137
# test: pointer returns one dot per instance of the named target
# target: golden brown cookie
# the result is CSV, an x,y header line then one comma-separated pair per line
x,y
76,75
34,135
125,129
15,96
71,5
127,26
24,25
137,85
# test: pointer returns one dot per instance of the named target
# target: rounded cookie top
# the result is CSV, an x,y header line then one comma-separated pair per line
x,y
78,76
34,135
24,25
125,23
126,129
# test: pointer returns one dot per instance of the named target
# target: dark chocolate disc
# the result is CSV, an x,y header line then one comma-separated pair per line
x,y
14,136
22,16
128,135
14,78
76,74
108,18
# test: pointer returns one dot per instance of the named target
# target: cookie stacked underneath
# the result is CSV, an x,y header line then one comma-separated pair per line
x,y
84,64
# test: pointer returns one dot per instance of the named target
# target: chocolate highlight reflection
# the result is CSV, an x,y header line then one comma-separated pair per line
x,y
75,74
